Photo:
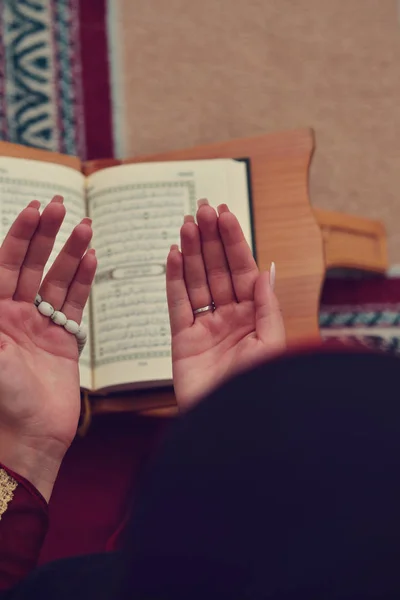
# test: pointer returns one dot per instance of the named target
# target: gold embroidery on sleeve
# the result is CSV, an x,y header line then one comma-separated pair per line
x,y
7,487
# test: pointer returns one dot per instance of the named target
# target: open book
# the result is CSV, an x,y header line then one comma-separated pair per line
x,y
137,211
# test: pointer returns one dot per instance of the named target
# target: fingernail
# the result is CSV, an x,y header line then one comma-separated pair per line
x,y
174,247
188,219
202,202
92,251
86,221
222,208
58,199
272,275
34,204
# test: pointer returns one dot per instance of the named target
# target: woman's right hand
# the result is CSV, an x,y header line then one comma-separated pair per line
x,y
215,264
39,373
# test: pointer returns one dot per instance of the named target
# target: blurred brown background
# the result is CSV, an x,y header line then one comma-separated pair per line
x,y
201,71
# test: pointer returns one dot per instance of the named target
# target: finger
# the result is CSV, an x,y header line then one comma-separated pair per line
x,y
39,250
55,285
15,246
80,287
217,269
179,307
193,267
243,267
269,321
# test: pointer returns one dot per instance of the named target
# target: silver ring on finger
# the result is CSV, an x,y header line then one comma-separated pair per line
x,y
204,309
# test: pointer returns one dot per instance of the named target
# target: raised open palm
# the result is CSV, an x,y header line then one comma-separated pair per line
x,y
39,374
216,265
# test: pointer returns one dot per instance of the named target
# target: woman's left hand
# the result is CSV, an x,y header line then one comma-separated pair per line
x,y
39,373
216,265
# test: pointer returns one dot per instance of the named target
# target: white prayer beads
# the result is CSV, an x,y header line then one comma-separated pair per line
x,y
71,326
81,336
45,309
59,318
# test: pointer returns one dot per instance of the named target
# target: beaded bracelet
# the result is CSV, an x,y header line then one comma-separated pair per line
x,y
59,318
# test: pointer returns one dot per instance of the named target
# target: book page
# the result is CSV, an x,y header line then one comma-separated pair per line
x,y
137,212
24,180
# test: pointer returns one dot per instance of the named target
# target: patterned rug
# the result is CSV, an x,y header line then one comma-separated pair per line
x,y
54,77
363,311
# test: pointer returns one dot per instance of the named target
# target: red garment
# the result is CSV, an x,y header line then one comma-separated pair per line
x,y
97,482
23,527
90,501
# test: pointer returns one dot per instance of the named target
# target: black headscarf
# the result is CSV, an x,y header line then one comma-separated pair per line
x,y
283,484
